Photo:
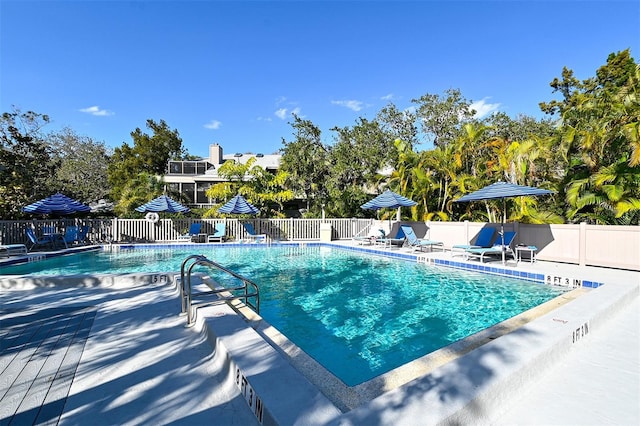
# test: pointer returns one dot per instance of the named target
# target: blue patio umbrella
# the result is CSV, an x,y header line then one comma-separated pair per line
x,y
58,205
238,205
388,199
502,190
163,204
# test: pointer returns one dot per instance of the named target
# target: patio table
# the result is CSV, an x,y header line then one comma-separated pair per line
x,y
529,249
56,237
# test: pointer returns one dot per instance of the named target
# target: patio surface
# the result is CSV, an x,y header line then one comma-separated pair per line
x,y
121,354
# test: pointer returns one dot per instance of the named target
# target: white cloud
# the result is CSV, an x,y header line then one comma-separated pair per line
x,y
95,110
483,108
351,104
281,113
213,124
387,97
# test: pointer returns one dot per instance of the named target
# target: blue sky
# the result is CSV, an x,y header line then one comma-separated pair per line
x,y
232,72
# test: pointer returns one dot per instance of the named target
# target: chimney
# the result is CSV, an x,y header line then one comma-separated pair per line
x,y
215,154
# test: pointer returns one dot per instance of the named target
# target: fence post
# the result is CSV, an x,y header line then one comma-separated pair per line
x,y
114,230
466,230
582,240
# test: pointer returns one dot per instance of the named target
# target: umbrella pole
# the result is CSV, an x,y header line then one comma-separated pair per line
x,y
504,218
504,249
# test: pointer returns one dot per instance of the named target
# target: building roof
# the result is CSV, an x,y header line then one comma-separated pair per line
x,y
266,161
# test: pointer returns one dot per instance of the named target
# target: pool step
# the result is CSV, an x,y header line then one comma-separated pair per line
x,y
275,391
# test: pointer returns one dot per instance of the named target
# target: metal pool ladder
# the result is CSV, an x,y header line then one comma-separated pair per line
x,y
248,289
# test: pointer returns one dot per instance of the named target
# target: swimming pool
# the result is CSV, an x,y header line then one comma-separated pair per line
x,y
356,314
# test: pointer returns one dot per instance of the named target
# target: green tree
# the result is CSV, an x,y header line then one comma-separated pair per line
x,y
399,124
149,154
140,189
357,158
266,191
441,161
415,180
521,128
82,165
441,118
306,161
599,132
26,163
235,174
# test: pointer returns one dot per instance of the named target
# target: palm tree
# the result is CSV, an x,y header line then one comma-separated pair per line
x,y
144,187
609,196
604,161
442,161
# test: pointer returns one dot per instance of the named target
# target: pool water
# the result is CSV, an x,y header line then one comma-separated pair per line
x,y
357,314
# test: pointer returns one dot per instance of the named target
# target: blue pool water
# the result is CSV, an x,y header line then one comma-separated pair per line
x,y
358,315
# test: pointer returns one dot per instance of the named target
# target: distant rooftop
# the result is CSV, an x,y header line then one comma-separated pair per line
x,y
209,165
266,161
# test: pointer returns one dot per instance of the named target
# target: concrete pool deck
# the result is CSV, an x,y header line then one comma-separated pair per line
x,y
138,363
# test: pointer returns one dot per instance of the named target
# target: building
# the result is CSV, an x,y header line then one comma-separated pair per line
x,y
192,178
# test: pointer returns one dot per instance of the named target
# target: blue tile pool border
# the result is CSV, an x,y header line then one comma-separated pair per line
x,y
493,270
535,277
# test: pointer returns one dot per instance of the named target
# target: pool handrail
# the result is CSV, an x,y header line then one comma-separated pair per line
x,y
183,297
191,305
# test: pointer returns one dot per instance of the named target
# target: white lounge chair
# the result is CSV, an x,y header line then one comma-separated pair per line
x,y
375,232
219,233
252,236
419,243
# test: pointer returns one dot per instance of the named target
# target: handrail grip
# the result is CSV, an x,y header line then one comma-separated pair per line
x,y
183,300
202,260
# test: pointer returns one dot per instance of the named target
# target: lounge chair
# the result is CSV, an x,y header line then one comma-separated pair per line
x,y
35,241
219,233
12,249
70,235
497,247
82,235
251,234
419,243
398,240
49,229
375,231
194,230
483,240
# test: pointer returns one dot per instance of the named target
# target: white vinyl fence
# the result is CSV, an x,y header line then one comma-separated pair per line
x,y
582,244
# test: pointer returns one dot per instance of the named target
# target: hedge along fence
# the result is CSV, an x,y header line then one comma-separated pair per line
x,y
582,244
